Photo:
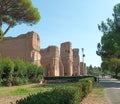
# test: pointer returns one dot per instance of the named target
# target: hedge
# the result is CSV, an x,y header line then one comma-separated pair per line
x,y
67,94
67,78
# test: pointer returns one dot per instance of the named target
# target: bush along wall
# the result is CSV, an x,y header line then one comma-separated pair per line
x,y
59,79
67,94
18,72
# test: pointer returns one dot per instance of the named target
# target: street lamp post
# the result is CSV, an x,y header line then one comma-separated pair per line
x,y
83,55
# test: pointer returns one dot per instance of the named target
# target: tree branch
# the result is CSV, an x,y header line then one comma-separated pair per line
x,y
7,29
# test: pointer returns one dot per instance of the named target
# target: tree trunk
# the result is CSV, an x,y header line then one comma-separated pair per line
x,y
0,21
116,73
1,33
7,29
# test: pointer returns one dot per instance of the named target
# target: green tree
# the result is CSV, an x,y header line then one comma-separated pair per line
x,y
31,72
20,71
94,70
17,11
112,64
40,73
1,71
7,71
109,47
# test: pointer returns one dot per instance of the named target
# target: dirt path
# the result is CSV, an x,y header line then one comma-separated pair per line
x,y
9,99
95,99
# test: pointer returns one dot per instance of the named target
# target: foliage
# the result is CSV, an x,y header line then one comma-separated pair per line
x,y
113,64
34,73
67,94
1,71
7,71
65,77
23,90
18,72
109,47
24,9
94,70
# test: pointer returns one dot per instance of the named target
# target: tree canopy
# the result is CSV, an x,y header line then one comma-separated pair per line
x,y
94,70
17,11
109,47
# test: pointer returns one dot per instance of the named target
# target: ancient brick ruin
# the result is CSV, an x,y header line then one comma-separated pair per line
x,y
66,55
27,47
50,60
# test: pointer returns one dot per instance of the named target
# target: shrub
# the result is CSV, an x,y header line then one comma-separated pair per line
x,y
7,71
19,74
67,94
34,73
61,95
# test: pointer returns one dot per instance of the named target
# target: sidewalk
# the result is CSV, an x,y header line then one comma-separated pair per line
x,y
112,89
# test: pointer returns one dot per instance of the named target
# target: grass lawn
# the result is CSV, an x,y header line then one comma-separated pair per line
x,y
98,90
23,90
11,94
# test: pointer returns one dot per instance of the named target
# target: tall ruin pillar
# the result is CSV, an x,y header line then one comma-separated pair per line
x,y
50,60
67,58
61,68
76,62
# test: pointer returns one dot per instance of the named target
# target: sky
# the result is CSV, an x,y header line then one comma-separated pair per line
x,y
70,20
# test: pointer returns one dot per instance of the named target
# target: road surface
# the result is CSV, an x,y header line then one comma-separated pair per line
x,y
112,89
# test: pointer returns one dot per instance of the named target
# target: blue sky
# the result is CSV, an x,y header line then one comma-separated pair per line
x,y
70,20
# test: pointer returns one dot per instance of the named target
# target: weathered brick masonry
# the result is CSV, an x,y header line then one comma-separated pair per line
x,y
66,55
50,60
76,62
25,46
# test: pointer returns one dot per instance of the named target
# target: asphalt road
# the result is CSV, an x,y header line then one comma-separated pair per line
x,y
112,89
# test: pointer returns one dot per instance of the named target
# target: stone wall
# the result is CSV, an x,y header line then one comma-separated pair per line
x,y
50,60
76,62
25,46
66,55
61,68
